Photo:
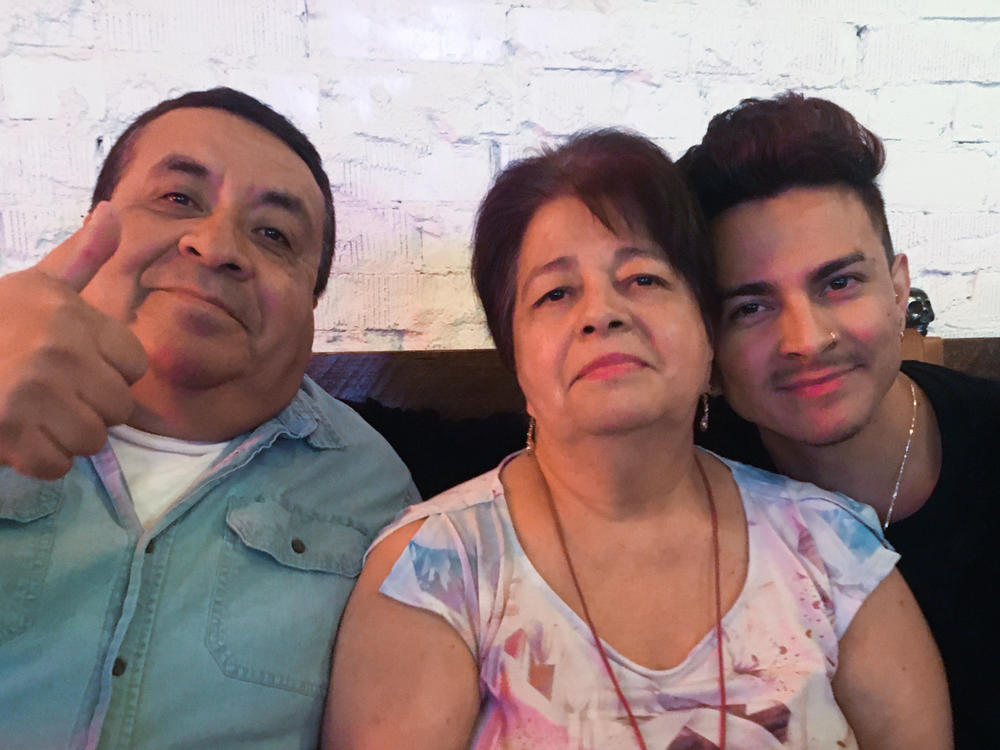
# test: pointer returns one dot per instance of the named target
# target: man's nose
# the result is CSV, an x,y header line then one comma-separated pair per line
x,y
216,241
804,330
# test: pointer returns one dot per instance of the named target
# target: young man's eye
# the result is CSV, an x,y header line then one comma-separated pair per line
x,y
838,283
746,310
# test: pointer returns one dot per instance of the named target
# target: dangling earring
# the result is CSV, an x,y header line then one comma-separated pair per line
x,y
529,446
703,422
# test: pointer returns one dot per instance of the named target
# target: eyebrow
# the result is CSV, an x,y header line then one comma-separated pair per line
x,y
278,198
751,289
291,203
565,262
562,263
766,288
183,164
628,252
836,265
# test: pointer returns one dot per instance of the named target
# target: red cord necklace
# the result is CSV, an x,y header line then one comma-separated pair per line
x,y
718,614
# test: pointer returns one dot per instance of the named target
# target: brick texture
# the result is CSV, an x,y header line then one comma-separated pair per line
x,y
414,107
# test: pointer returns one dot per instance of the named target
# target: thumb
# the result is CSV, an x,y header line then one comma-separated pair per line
x,y
76,260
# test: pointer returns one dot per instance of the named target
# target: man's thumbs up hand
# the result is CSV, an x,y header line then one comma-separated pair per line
x,y
65,367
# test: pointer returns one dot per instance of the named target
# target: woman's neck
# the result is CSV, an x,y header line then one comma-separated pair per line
x,y
625,476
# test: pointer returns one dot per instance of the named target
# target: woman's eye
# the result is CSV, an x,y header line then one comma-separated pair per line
x,y
647,279
553,295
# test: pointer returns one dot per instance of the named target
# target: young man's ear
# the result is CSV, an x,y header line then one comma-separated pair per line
x,y
899,272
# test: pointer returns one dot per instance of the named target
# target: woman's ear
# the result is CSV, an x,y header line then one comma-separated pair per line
x,y
714,381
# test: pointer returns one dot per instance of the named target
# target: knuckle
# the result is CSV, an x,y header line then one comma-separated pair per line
x,y
49,464
118,412
91,441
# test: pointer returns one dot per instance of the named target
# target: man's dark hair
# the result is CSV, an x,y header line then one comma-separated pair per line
x,y
619,176
250,109
763,147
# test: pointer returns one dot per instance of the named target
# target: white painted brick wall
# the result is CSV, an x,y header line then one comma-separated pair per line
x,y
415,105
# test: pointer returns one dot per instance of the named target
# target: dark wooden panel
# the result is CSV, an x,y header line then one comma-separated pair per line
x,y
462,383
975,356
455,383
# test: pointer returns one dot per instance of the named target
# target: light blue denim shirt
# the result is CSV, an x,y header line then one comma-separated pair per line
x,y
211,630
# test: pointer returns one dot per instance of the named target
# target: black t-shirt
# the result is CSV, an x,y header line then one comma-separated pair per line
x,y
948,551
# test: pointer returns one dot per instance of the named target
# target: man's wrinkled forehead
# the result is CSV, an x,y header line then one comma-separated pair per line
x,y
180,147
185,142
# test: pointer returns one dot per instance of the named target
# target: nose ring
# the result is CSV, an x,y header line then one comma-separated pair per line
x,y
833,338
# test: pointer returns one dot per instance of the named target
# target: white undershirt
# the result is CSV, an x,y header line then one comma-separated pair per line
x,y
158,469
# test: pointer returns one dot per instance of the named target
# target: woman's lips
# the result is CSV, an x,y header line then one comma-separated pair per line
x,y
610,366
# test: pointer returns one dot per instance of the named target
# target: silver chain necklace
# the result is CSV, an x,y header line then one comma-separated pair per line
x,y
902,463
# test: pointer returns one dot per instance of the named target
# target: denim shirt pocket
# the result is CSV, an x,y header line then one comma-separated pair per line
x,y
283,579
27,535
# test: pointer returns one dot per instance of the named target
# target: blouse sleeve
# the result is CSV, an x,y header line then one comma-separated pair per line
x,y
438,572
848,545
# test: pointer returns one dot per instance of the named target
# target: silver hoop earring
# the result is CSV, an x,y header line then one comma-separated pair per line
x,y
703,422
529,443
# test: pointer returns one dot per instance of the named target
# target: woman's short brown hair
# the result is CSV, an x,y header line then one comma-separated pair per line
x,y
618,175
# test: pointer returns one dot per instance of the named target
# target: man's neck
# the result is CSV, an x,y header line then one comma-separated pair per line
x,y
210,415
866,465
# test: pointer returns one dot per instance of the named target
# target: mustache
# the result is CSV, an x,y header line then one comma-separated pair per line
x,y
213,293
813,369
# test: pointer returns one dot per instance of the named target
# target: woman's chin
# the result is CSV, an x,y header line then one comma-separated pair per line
x,y
619,421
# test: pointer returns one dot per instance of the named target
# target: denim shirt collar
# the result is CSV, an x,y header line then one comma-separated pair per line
x,y
303,418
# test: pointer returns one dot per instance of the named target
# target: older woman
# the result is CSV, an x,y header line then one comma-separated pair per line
x,y
611,586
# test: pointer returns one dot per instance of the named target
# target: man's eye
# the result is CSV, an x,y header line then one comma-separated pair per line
x,y
841,282
178,198
745,310
275,235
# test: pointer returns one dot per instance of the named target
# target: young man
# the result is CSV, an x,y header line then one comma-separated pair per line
x,y
181,587
812,312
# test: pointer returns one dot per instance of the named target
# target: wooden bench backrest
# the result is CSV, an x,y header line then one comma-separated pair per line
x,y
474,383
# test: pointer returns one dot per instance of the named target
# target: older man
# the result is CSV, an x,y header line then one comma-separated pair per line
x,y
181,587
813,303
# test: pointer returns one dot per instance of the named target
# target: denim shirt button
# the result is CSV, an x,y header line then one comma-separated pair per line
x,y
118,668
298,546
